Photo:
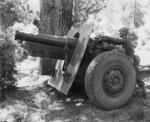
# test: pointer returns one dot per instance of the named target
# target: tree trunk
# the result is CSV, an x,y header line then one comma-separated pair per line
x,y
1,20
55,19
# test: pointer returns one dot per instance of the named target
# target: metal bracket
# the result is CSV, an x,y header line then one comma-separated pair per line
x,y
66,74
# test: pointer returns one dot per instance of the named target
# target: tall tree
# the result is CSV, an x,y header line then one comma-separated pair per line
x,y
55,16
55,19
0,19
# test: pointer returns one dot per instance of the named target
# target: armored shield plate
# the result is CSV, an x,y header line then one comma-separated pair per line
x,y
58,81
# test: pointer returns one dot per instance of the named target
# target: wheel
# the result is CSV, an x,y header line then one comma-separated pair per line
x,y
110,80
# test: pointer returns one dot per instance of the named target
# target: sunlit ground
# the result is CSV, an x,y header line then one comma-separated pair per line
x,y
34,101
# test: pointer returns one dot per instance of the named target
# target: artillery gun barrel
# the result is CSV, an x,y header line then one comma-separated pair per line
x,y
56,41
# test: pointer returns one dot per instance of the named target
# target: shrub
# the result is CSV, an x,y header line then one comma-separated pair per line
x,y
7,60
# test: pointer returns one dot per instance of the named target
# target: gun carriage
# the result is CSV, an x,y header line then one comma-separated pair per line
x,y
108,76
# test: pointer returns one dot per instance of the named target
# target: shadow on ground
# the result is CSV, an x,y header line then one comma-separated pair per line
x,y
45,104
34,101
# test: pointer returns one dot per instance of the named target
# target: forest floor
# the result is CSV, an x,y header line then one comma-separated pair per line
x,y
34,101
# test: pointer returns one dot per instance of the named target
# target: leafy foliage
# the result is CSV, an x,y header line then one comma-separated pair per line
x,y
133,14
7,60
12,11
108,16
83,8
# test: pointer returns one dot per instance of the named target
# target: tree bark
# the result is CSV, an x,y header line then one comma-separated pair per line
x,y
55,19
1,20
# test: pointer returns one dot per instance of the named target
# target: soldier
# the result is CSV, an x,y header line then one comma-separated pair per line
x,y
129,51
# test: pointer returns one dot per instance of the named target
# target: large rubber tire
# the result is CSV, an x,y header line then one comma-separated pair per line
x,y
94,83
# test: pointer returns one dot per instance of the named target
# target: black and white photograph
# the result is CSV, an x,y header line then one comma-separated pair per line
x,y
74,60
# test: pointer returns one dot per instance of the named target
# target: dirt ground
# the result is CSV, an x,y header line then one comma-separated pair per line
x,y
34,101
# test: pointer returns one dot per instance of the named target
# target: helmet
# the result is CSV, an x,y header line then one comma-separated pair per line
x,y
124,30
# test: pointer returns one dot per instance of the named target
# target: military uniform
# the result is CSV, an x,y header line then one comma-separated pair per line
x,y
126,44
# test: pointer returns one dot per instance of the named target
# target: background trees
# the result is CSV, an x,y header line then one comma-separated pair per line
x,y
11,11
82,10
58,16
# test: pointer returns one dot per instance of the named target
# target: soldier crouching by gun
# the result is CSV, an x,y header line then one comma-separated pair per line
x,y
129,51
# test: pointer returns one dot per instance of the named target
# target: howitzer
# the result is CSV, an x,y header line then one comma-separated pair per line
x,y
48,46
56,41
69,49
108,76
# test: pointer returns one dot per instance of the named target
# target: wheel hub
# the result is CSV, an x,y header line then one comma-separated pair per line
x,y
114,81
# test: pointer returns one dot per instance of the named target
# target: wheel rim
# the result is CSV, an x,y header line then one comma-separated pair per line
x,y
114,81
